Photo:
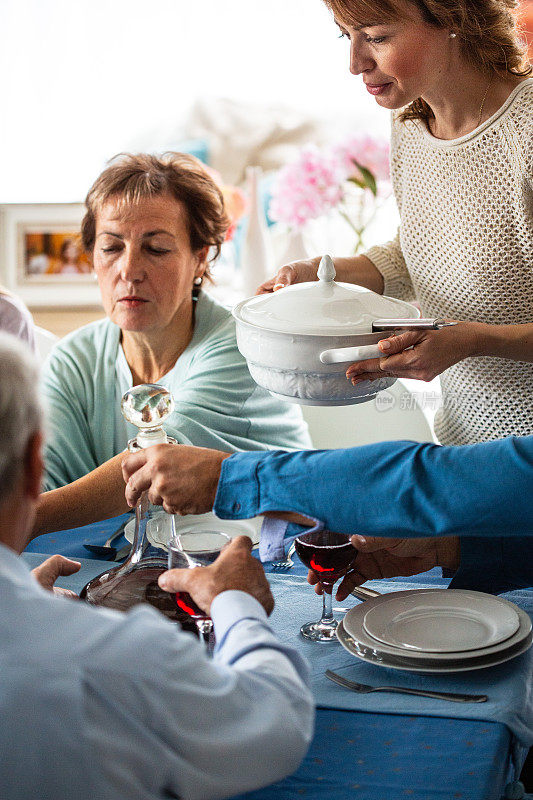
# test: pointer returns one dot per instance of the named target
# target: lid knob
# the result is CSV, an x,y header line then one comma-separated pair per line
x,y
326,270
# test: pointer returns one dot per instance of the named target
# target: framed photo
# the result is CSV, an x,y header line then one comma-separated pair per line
x,y
42,260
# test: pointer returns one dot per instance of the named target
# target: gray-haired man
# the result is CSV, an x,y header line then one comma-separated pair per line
x,y
96,704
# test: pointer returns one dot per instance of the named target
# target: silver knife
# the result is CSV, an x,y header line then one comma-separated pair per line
x,y
123,552
107,549
365,593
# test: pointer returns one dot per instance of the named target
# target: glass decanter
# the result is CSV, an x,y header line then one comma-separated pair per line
x,y
135,581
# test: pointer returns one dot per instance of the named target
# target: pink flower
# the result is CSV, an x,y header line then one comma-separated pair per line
x,y
368,152
317,180
307,188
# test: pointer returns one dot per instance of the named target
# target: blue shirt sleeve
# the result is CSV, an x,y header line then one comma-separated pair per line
x,y
402,489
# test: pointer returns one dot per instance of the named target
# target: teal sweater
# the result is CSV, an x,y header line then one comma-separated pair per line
x,y
217,403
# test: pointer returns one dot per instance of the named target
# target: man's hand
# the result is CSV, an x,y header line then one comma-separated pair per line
x,y
50,570
182,479
235,568
381,557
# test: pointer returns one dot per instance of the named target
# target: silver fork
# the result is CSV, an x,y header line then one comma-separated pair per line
x,y
288,563
364,689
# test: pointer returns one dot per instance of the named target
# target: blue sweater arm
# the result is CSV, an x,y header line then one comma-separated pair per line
x,y
480,492
401,489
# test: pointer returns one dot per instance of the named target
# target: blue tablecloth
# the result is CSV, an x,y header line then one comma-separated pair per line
x,y
505,685
361,755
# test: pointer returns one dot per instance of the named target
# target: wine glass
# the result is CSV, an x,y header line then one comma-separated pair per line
x,y
200,549
329,555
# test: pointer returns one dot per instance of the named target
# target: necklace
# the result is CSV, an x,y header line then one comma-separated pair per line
x,y
482,106
483,102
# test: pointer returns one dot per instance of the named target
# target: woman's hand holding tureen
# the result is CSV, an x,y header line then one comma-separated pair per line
x,y
421,354
295,272
425,354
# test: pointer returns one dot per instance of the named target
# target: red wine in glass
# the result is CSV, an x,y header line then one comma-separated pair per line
x,y
187,604
329,555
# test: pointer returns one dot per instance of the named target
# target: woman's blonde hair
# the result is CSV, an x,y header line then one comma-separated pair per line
x,y
486,30
130,178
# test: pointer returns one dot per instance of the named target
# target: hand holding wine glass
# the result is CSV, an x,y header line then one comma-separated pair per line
x,y
383,557
234,568
199,550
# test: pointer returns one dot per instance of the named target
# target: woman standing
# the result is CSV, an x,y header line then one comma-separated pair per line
x,y
455,76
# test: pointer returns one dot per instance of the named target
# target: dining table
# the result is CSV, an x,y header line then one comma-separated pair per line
x,y
377,746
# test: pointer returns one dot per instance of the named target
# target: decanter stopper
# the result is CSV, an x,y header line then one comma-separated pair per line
x,y
147,406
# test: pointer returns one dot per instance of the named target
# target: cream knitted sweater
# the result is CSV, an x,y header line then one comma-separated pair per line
x,y
465,251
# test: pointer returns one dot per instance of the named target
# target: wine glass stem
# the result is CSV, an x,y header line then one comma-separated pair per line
x,y
205,628
327,611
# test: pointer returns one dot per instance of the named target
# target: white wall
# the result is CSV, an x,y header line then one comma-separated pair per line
x,y
81,80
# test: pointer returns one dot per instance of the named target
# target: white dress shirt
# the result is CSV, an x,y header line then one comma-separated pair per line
x,y
17,320
96,704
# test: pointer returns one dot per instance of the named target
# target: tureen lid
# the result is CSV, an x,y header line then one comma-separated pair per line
x,y
322,307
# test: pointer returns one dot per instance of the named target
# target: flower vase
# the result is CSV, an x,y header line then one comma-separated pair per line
x,y
256,261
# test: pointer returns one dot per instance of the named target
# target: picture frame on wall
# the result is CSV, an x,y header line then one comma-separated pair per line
x,y
42,260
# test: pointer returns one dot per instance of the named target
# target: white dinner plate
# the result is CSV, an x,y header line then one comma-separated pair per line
x,y
461,665
354,626
197,523
441,621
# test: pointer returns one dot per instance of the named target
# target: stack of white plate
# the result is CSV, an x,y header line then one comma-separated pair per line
x,y
436,630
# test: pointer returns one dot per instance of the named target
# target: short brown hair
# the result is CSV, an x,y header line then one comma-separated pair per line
x,y
486,29
134,177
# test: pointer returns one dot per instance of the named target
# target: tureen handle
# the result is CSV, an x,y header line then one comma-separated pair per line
x,y
351,354
326,269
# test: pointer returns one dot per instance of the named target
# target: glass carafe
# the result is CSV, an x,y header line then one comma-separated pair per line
x,y
135,581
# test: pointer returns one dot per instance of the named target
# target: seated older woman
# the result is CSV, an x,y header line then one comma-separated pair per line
x,y
150,228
